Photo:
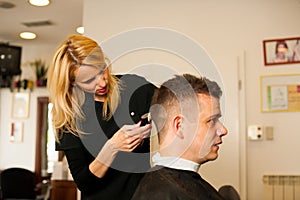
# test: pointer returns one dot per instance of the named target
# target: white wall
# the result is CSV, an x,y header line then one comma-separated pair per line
x,y
33,52
18,154
232,33
22,154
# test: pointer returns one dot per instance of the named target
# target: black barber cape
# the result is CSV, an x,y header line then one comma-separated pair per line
x,y
173,184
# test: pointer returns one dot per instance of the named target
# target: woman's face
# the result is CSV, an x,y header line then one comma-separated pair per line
x,y
92,79
281,48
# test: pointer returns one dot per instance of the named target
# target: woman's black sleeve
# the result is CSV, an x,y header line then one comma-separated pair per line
x,y
78,160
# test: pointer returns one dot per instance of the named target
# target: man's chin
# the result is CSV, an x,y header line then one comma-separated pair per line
x,y
209,157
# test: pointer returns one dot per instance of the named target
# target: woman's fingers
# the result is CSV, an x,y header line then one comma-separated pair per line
x,y
133,144
130,136
123,141
137,130
128,143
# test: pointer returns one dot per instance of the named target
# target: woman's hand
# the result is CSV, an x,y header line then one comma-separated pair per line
x,y
130,136
125,139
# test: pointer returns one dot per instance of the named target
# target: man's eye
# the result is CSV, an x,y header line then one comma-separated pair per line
x,y
213,121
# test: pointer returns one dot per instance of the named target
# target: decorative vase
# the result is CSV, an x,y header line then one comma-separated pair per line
x,y
41,82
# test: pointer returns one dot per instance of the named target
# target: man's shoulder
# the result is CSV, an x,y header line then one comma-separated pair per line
x,y
153,186
168,183
160,177
161,183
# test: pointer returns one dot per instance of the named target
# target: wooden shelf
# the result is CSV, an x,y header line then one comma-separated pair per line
x,y
63,189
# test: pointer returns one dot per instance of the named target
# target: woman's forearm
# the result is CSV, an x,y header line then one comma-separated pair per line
x,y
103,160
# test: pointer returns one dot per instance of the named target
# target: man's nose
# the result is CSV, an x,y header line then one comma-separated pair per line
x,y
222,131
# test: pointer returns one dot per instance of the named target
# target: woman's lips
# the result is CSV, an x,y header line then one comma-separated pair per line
x,y
103,90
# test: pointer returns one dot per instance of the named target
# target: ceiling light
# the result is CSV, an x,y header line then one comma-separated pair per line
x,y
39,2
80,30
28,35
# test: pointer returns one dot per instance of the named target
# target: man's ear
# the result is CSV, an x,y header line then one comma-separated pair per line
x,y
177,126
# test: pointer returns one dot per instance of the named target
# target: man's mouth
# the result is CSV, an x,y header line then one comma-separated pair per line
x,y
217,143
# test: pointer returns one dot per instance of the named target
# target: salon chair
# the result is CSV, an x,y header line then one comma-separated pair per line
x,y
17,183
229,193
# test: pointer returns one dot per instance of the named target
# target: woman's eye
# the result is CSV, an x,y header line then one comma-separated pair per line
x,y
93,78
89,80
100,73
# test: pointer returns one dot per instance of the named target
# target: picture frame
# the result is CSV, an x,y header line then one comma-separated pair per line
x,y
280,93
16,132
281,51
20,104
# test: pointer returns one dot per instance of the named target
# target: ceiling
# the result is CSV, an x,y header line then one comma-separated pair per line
x,y
64,16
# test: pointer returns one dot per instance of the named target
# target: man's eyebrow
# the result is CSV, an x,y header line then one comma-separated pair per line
x,y
218,115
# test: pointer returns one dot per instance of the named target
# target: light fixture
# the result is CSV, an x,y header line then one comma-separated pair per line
x,y
28,35
80,30
39,2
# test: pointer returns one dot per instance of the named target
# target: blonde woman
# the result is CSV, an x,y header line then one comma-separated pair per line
x,y
96,116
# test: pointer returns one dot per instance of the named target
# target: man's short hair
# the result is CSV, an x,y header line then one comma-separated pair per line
x,y
179,93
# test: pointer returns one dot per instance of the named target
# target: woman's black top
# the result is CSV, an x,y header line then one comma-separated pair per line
x,y
127,169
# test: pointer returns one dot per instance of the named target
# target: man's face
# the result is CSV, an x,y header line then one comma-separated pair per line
x,y
209,130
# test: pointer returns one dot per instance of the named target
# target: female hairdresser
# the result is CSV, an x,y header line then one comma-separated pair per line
x,y
96,117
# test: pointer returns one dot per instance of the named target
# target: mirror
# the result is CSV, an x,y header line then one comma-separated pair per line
x,y
45,155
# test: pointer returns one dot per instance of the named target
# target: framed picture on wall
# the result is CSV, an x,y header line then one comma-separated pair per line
x,y
281,51
16,132
280,93
20,104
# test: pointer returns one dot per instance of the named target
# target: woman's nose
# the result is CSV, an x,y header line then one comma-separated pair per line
x,y
101,80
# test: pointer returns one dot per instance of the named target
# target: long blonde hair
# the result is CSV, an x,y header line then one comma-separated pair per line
x,y
67,99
